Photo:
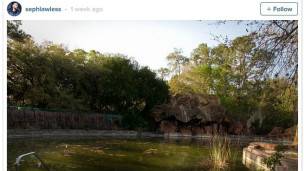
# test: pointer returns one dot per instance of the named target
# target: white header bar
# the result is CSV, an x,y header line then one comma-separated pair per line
x,y
143,10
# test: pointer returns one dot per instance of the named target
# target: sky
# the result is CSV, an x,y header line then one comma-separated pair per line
x,y
148,42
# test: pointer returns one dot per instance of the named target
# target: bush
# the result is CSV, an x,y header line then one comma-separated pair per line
x,y
273,160
283,120
133,121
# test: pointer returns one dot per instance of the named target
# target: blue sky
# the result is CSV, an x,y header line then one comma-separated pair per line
x,y
148,42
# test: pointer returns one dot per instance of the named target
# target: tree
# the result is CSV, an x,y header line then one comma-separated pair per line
x,y
177,61
232,71
163,73
14,32
50,76
200,55
280,38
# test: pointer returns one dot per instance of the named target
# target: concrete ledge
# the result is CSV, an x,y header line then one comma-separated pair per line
x,y
77,133
253,158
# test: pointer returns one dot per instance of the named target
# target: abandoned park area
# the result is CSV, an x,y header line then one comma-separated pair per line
x,y
147,96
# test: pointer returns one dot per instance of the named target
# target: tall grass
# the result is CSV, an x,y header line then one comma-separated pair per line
x,y
221,154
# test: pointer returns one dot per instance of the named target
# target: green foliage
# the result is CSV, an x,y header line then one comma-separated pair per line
x,y
134,121
278,105
236,73
50,76
281,147
224,71
272,120
274,160
14,32
163,73
252,74
201,54
177,61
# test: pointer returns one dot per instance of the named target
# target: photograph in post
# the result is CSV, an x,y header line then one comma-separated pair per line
x,y
170,95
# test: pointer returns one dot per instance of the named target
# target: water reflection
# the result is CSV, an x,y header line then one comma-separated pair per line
x,y
116,154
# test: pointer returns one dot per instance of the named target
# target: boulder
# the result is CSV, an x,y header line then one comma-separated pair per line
x,y
198,130
187,107
289,133
237,128
186,131
208,130
194,114
168,127
276,132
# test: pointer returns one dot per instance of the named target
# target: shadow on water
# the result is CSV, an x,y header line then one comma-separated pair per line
x,y
100,154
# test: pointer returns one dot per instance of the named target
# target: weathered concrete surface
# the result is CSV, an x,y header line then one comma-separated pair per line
x,y
254,154
192,114
66,133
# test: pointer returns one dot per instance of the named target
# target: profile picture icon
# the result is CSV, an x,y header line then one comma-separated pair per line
x,y
14,8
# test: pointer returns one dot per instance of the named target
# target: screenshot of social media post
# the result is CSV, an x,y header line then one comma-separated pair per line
x,y
104,86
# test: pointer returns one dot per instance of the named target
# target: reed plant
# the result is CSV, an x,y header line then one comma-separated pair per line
x,y
221,154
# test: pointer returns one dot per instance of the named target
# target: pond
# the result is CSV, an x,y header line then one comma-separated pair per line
x,y
108,154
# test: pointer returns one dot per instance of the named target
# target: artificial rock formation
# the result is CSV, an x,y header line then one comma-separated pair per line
x,y
191,114
287,134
